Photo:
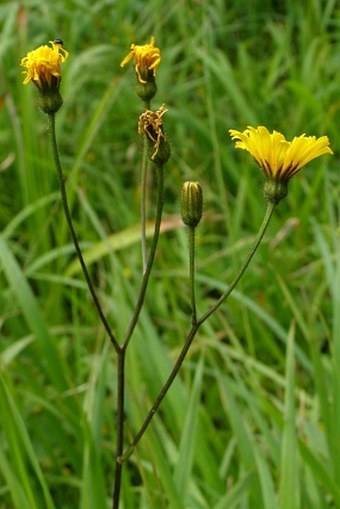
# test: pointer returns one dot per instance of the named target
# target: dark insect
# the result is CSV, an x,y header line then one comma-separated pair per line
x,y
58,41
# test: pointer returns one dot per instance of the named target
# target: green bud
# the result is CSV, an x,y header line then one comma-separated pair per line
x,y
191,203
275,190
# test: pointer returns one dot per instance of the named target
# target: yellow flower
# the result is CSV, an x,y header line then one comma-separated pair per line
x,y
43,66
147,58
280,159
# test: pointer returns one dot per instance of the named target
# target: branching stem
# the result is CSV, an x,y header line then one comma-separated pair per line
x,y
194,328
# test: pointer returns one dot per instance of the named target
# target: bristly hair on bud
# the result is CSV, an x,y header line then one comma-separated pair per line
x,y
191,203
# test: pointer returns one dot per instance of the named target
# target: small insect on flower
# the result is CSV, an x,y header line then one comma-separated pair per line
x,y
58,41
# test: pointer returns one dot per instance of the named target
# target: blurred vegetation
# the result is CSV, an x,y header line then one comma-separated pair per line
x,y
253,420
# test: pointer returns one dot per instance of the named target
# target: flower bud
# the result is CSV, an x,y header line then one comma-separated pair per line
x,y
191,203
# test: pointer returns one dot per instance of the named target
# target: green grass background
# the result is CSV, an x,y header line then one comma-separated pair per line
x,y
253,420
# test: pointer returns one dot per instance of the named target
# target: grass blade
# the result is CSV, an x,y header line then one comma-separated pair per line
x,y
289,482
50,359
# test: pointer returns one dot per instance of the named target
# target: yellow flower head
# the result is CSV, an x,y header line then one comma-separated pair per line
x,y
43,66
147,58
280,159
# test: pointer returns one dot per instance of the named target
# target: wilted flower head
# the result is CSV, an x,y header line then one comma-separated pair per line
x,y
151,125
278,158
146,58
43,66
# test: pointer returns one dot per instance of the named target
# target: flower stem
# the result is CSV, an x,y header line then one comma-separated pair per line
x,y
144,181
68,216
244,266
194,328
119,427
146,275
192,231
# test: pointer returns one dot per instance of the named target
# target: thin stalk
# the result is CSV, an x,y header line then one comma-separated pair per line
x,y
244,266
192,333
146,276
119,427
162,392
68,216
144,179
192,231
